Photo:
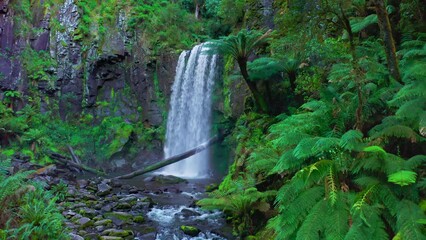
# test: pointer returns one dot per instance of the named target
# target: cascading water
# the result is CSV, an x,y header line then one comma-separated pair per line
x,y
188,123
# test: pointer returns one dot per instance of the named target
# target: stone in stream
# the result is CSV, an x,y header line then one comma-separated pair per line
x,y
138,219
117,233
110,238
168,179
75,237
119,218
103,189
88,212
104,222
84,222
123,205
189,230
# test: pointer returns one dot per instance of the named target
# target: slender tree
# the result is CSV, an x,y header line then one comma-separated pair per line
x,y
240,47
388,40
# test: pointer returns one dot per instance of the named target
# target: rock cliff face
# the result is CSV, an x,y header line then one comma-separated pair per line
x,y
112,75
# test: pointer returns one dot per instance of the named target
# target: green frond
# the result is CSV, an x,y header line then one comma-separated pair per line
x,y
367,224
331,186
287,162
375,149
338,215
359,24
397,131
352,140
295,208
415,162
314,223
262,160
402,178
408,217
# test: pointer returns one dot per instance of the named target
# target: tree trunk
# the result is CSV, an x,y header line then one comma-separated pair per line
x,y
173,159
197,10
260,102
388,40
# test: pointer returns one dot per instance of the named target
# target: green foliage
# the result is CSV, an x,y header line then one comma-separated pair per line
x,y
27,209
38,65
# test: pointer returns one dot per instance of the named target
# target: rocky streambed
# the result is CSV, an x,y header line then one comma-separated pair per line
x,y
155,207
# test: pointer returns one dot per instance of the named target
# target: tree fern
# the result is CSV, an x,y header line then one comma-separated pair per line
x,y
403,177
408,223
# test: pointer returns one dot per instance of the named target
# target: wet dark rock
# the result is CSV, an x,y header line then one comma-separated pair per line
x,y
149,236
75,237
133,190
110,238
103,189
69,213
119,218
82,183
168,179
84,222
123,205
89,197
186,213
142,206
147,230
88,212
104,222
117,233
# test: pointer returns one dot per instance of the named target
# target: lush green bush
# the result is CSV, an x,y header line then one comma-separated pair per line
x,y
28,211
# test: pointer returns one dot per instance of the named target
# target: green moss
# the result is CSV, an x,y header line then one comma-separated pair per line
x,y
189,230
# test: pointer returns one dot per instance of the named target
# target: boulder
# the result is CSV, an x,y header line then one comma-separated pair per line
x,y
189,230
103,189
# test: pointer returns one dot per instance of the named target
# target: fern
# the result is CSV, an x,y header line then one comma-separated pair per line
x,y
359,24
402,178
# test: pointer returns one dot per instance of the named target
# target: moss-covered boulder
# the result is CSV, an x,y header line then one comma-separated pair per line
x,y
189,230
123,216
104,222
138,219
117,233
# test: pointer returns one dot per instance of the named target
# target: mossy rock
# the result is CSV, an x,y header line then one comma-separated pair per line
x,y
126,217
110,238
168,179
104,222
138,219
117,233
212,187
189,230
124,205
147,229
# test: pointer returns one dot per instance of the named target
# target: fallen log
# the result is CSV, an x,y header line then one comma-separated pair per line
x,y
66,161
73,155
173,159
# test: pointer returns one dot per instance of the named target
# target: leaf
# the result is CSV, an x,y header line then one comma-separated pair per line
x,y
403,177
375,149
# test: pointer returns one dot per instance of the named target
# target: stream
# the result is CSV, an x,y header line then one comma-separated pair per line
x,y
150,207
176,207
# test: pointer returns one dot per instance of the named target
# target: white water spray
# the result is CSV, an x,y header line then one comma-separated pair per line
x,y
189,120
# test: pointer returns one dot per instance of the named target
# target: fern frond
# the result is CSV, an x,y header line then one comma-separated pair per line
x,y
359,24
313,224
408,218
398,131
403,178
352,140
367,224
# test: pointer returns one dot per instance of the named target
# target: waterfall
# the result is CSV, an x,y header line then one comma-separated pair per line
x,y
189,119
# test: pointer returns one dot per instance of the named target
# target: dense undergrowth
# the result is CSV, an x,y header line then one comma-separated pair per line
x,y
330,146
28,211
346,159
